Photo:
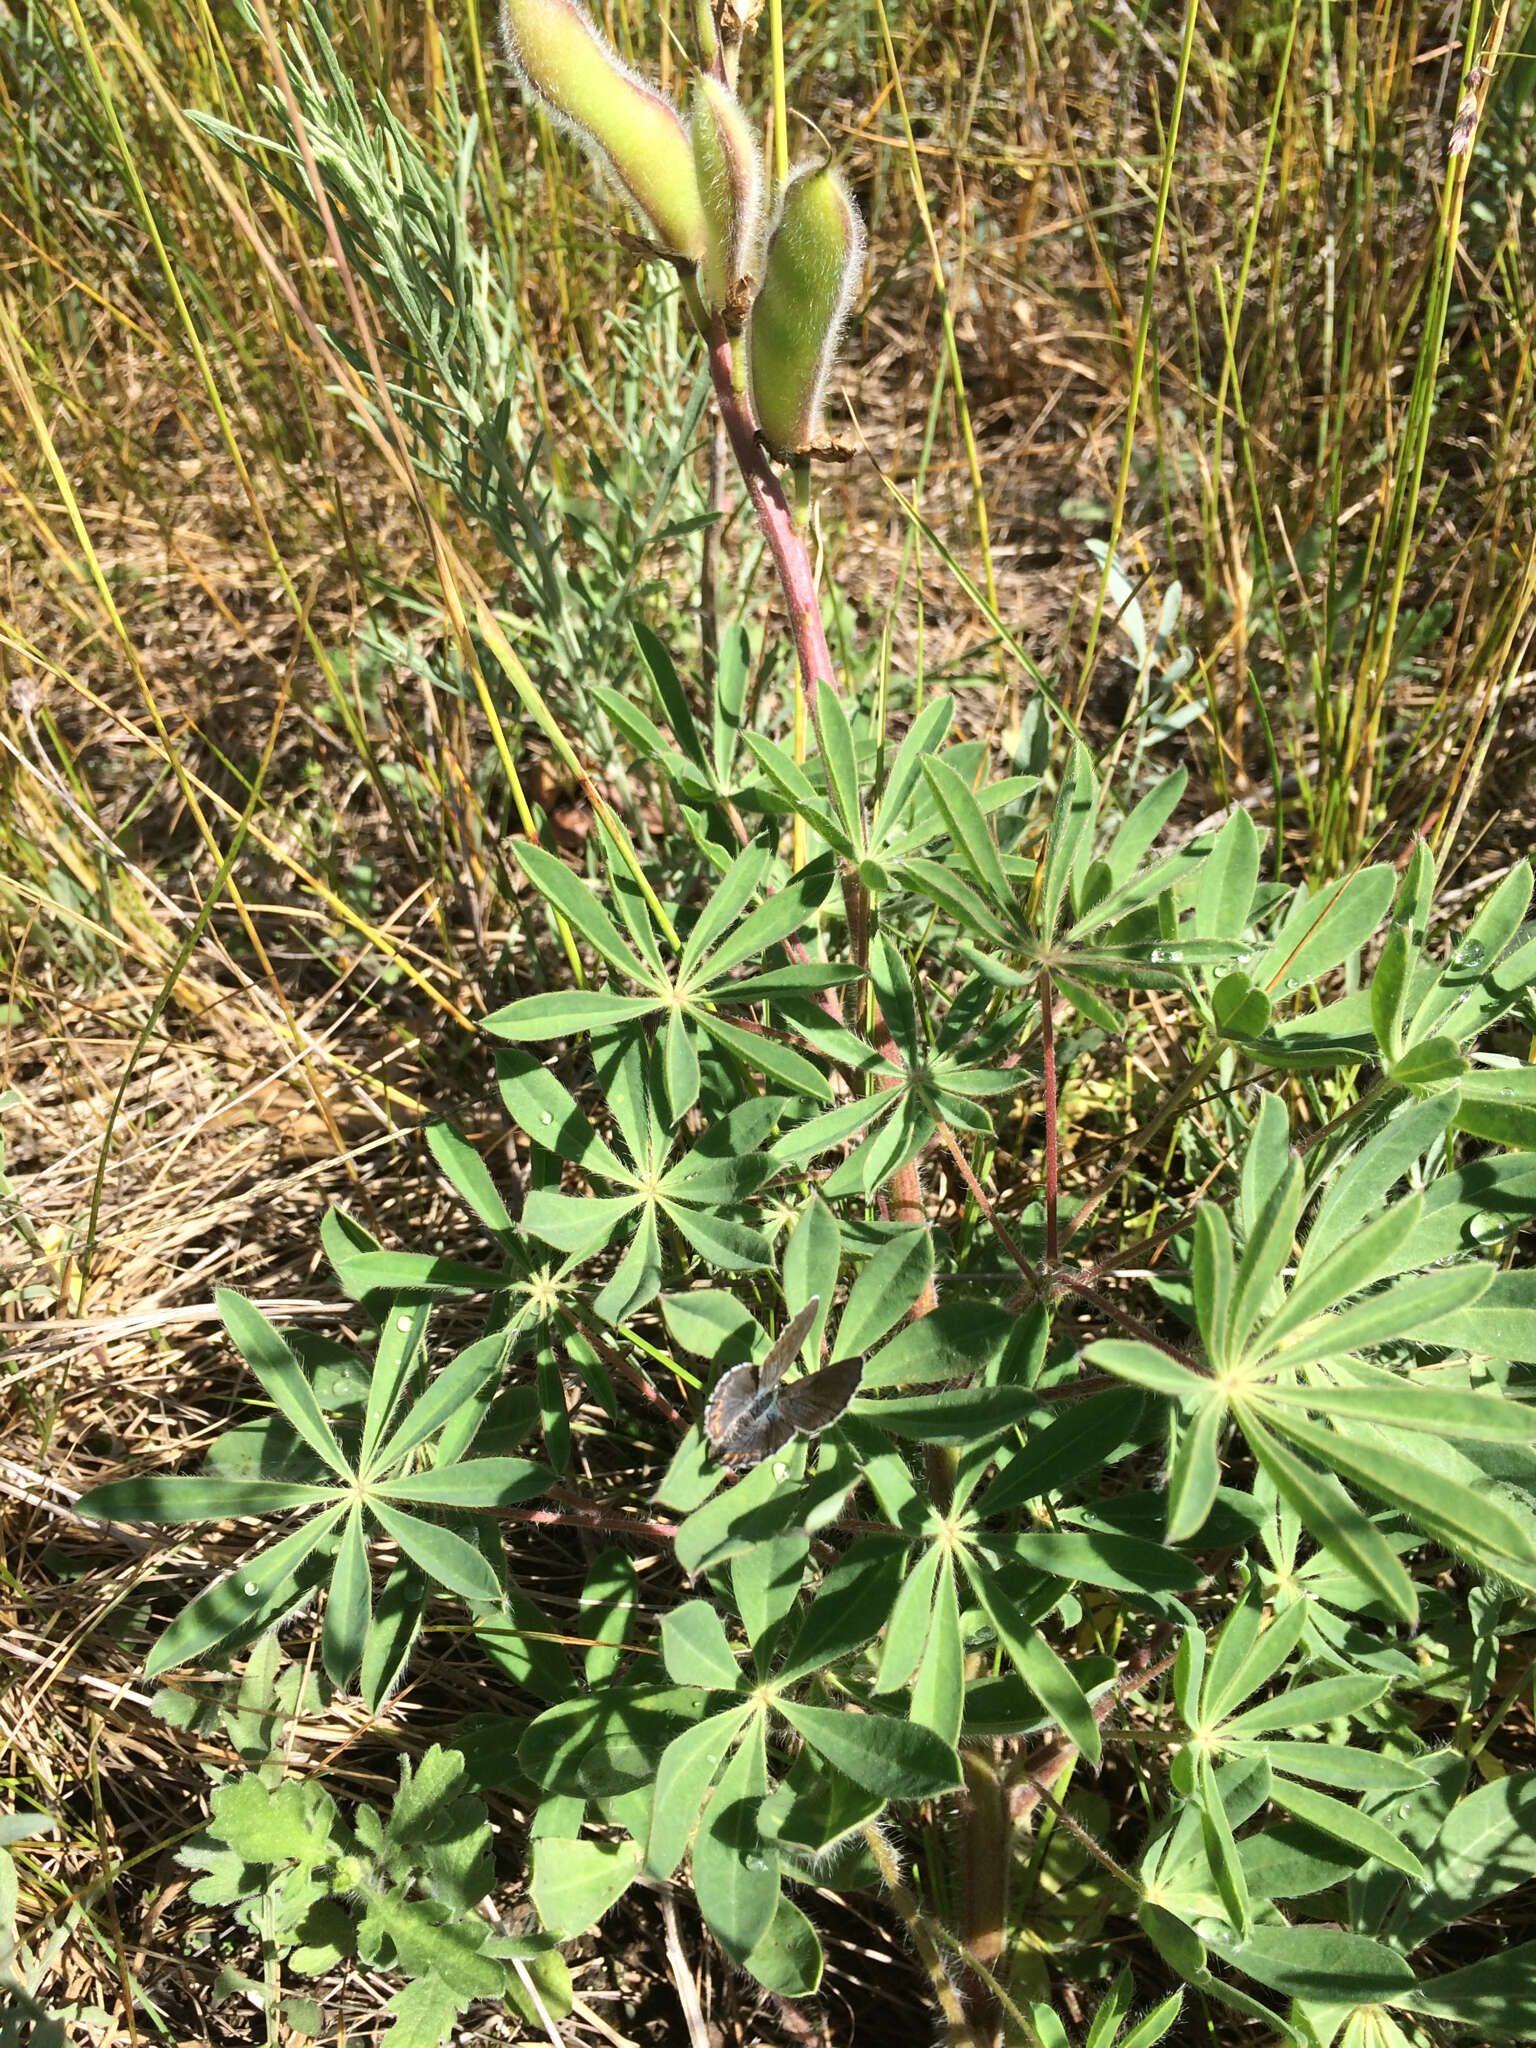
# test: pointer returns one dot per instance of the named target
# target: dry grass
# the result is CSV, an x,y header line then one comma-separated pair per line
x,y
201,1053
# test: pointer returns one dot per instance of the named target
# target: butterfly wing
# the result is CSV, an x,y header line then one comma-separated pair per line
x,y
786,1348
815,1404
741,1431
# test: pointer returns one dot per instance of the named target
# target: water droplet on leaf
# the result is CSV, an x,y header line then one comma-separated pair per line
x,y
251,1589
1487,1228
1470,953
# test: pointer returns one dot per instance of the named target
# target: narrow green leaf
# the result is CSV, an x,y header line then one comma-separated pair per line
x,y
1465,1518
402,1334
1370,1176
970,831
1485,1848
1125,1564
1333,1520
682,1064
1227,881
724,903
392,1633
1361,1258
565,1012
1389,992
1145,1366
923,736
1323,1965
155,1498
1072,818
734,1247
1409,1308
253,1597
1245,1660
470,1177
1325,929
573,1884
908,1618
787,910
884,1292
963,1415
1347,1824
674,699
1337,1766
474,1483
441,1554
1475,1418
1084,1439
735,1872
1493,1996
576,1223
1269,1246
1194,1477
348,1604
956,899
454,1385
890,1757
267,1354
1214,1272
609,1600
850,1608
683,1778
839,763
938,1691
1037,1663
1302,1706
573,899
695,1650
765,1054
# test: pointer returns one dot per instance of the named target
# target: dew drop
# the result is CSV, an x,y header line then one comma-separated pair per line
x,y
251,1589
1163,956
780,1470
1487,1228
403,1325
755,1862
1470,953
548,1117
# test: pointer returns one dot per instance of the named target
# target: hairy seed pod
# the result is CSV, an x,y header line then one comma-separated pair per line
x,y
563,60
730,179
815,258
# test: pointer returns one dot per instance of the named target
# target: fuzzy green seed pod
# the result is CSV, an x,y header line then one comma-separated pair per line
x,y
815,259
730,178
632,131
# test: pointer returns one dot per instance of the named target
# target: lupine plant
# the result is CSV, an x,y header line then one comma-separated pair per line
x,y
1115,1560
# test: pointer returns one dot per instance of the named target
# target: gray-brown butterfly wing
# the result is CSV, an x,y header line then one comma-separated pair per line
x,y
741,1425
814,1404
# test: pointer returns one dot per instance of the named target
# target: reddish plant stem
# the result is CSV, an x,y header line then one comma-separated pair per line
x,y
570,1510
979,1196
786,543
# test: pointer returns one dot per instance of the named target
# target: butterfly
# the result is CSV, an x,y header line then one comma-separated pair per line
x,y
751,1414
